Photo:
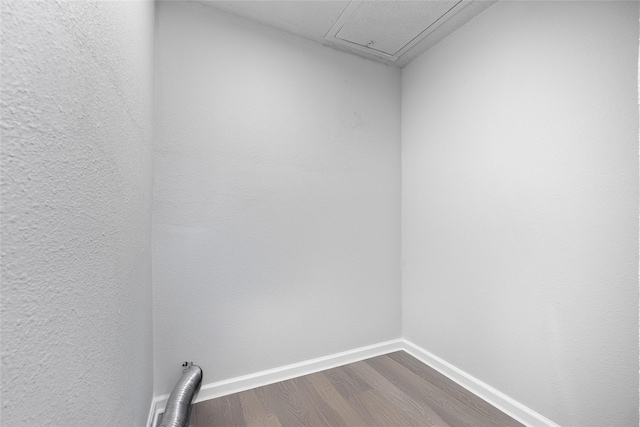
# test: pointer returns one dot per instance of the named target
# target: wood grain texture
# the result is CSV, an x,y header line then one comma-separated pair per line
x,y
418,414
390,390
458,392
255,410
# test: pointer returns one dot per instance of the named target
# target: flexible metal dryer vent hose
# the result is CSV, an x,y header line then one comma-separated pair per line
x,y
178,409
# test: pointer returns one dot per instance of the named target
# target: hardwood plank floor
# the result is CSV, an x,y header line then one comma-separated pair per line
x,y
390,390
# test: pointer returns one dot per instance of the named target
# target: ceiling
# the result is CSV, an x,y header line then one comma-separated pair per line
x,y
393,32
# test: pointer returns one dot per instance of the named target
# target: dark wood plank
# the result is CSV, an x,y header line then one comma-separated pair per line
x,y
385,391
423,392
329,394
383,411
223,411
450,409
374,409
332,417
346,382
419,414
434,377
255,410
291,406
352,389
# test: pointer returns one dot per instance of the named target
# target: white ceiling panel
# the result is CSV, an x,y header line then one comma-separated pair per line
x,y
309,19
388,26
399,30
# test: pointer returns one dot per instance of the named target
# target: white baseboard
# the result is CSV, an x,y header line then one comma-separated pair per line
x,y
501,401
151,418
270,376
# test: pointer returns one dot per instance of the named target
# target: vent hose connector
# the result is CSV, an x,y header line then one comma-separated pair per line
x,y
178,409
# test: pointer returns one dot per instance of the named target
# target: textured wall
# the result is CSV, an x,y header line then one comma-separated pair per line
x,y
76,213
277,200
520,206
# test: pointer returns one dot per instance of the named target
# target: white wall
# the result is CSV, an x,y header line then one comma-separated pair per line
x,y
76,212
520,206
277,198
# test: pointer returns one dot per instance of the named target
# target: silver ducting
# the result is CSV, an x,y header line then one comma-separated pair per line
x,y
178,409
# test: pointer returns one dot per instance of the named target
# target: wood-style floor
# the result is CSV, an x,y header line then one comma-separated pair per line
x,y
390,390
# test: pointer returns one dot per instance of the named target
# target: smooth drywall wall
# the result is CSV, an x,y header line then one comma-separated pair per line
x,y
277,199
520,206
77,82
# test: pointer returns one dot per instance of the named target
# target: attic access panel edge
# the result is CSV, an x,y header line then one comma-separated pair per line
x,y
430,26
